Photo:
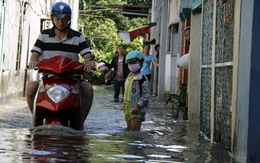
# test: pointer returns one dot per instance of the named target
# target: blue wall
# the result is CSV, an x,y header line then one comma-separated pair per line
x,y
253,146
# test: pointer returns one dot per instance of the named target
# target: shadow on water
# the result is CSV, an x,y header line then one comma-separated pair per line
x,y
104,139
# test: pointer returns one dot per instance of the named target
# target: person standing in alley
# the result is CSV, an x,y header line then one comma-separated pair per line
x,y
120,71
157,49
137,92
148,59
186,33
156,69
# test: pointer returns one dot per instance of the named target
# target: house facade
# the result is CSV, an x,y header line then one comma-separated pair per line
x,y
21,23
221,79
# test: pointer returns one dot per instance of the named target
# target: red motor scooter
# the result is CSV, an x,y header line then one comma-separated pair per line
x,y
58,99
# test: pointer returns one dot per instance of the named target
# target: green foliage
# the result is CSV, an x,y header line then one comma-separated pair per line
x,y
101,26
174,98
179,99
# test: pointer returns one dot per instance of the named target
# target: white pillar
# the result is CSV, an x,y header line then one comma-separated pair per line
x,y
163,41
75,11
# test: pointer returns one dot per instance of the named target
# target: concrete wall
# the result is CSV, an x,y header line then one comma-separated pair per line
x,y
246,142
156,10
240,144
174,54
163,43
10,77
194,70
167,79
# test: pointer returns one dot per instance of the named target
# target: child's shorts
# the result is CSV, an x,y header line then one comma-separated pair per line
x,y
129,116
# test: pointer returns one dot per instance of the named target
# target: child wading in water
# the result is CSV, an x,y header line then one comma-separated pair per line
x,y
137,92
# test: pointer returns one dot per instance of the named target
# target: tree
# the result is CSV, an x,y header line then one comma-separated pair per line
x,y
101,25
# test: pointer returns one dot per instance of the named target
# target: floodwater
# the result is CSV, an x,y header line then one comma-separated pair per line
x,y
104,139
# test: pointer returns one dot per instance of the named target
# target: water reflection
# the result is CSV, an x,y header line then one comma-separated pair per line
x,y
55,144
162,139
29,146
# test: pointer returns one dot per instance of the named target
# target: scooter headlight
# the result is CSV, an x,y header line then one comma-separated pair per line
x,y
57,93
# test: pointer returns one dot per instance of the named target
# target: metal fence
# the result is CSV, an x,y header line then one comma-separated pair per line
x,y
217,71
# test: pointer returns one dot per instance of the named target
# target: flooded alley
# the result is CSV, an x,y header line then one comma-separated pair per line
x,y
104,139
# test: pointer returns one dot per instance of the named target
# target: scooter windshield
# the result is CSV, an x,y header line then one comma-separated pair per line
x,y
60,64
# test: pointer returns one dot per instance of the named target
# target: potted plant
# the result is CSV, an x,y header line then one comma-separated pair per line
x,y
179,105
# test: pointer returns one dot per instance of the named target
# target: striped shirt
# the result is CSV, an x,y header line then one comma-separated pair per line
x,y
48,45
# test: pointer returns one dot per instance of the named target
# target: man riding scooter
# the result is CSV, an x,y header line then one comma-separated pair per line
x,y
62,40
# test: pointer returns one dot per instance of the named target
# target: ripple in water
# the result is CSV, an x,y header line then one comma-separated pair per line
x,y
56,130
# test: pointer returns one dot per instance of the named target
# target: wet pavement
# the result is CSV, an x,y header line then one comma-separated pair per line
x,y
104,139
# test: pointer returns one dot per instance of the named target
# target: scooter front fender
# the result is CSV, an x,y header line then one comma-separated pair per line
x,y
72,100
